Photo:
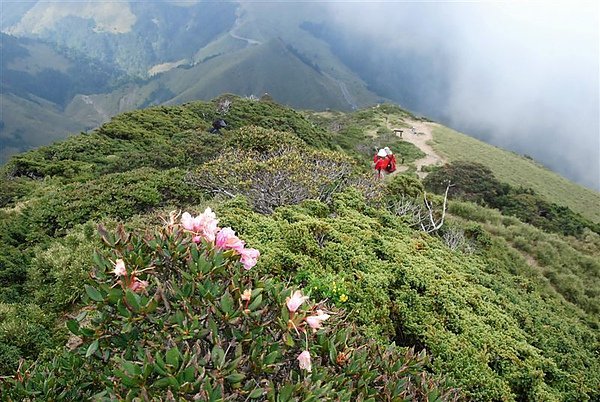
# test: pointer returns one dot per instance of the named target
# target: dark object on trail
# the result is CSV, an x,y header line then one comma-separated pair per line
x,y
217,125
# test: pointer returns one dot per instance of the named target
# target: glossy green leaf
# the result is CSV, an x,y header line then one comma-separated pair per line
x,y
235,377
133,300
255,303
172,357
73,326
92,348
131,368
93,293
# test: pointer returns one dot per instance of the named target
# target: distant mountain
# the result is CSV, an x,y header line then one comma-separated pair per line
x,y
38,82
89,63
138,54
135,36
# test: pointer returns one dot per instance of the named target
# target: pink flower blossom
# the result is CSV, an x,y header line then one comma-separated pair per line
x,y
204,225
138,285
247,295
315,321
187,221
249,257
227,240
295,301
197,239
304,361
120,268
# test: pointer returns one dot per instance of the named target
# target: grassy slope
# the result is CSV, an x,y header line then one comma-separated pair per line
x,y
29,121
518,171
100,107
221,45
40,57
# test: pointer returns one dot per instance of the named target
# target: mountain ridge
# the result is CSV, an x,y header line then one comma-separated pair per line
x,y
484,291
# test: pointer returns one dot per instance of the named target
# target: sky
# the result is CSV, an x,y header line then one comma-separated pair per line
x,y
521,75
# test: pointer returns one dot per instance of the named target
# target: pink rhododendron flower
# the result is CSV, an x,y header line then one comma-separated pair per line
x,y
197,239
249,257
247,295
187,221
120,268
227,240
295,301
138,285
315,321
204,225
304,361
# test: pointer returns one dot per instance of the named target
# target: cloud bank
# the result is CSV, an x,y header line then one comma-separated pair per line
x,y
521,75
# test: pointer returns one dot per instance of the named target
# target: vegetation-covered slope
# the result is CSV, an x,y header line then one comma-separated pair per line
x,y
21,120
37,83
518,170
504,310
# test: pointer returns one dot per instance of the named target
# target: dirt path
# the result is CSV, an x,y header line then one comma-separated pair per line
x,y
233,33
344,90
420,137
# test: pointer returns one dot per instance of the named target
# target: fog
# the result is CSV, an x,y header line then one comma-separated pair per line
x,y
524,76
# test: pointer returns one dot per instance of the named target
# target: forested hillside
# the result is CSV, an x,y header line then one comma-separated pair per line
x,y
339,287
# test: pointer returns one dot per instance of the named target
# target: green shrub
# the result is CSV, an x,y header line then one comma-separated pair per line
x,y
268,115
87,156
261,140
12,189
17,238
200,327
470,181
279,174
119,195
474,182
55,276
404,184
479,314
24,331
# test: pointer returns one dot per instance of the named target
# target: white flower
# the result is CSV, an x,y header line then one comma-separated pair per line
x,y
120,268
304,361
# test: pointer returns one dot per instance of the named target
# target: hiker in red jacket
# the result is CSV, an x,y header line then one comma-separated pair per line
x,y
391,166
381,161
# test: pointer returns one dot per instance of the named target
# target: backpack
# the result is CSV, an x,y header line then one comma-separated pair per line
x,y
391,166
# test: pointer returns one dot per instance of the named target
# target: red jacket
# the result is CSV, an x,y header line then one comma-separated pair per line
x,y
381,163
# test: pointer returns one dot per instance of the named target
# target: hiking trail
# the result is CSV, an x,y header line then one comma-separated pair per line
x,y
421,138
233,33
